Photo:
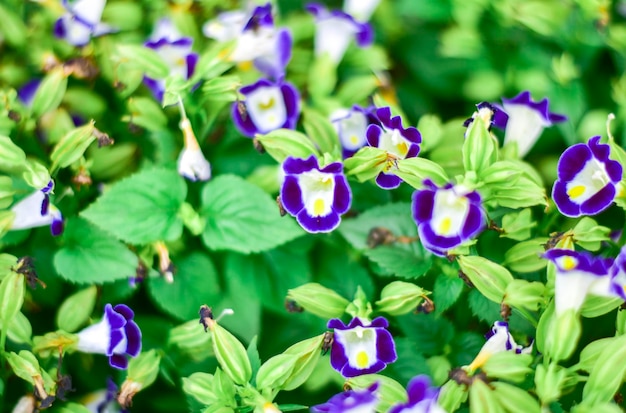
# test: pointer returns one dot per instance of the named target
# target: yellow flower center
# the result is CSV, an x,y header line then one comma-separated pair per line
x,y
362,361
569,263
268,105
318,207
576,191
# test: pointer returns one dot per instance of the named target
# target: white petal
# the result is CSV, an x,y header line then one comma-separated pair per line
x,y
318,192
570,289
266,108
360,346
588,182
77,33
227,26
394,143
361,10
193,165
332,36
88,10
351,127
165,29
449,213
28,212
253,44
95,338
524,127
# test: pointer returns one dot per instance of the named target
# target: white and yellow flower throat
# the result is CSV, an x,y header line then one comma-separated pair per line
x,y
450,211
360,346
267,109
318,192
588,182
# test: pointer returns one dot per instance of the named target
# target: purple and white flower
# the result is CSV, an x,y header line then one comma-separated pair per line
x,y
526,120
258,40
499,339
447,217
334,31
491,114
316,196
175,50
361,347
587,179
397,141
618,275
36,211
351,126
81,22
268,106
105,400
116,336
351,401
422,397
577,275
362,10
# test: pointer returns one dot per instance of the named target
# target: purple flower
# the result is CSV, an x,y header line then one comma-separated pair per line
x,y
104,401
81,22
578,274
618,275
499,339
447,217
526,120
351,401
258,40
175,50
399,142
316,197
116,335
351,126
36,211
361,347
586,179
26,93
335,29
492,114
422,398
268,106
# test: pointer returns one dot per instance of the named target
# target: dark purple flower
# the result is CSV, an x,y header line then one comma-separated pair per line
x,y
351,126
578,274
422,397
397,141
316,196
116,335
268,106
26,93
526,120
446,217
175,50
586,179
618,275
361,347
334,31
492,114
81,22
351,401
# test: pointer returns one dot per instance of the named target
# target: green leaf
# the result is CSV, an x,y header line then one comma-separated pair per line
x,y
413,171
446,291
411,262
410,361
144,59
429,333
142,208
241,217
72,146
195,283
281,143
12,28
91,256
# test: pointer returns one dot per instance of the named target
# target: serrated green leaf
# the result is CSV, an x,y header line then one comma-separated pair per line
x,y
91,256
241,217
195,283
429,333
446,291
142,208
411,262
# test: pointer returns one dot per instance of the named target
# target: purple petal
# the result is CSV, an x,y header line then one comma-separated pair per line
x,y
342,196
373,135
157,87
599,202
475,222
297,166
292,104
563,201
118,361
291,195
572,161
56,227
192,61
365,35
423,204
385,347
318,224
133,338
388,181
125,311
116,338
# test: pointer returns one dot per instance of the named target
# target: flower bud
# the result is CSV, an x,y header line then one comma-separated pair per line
x,y
452,395
142,372
589,235
482,398
200,386
76,309
282,143
50,92
509,366
307,353
526,256
11,297
514,399
191,340
231,354
525,294
606,377
399,298
366,163
11,155
517,225
319,300
274,372
480,148
549,381
72,146
488,277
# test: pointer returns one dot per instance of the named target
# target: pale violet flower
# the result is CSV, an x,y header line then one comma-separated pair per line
x,y
422,397
116,336
81,22
335,30
499,339
36,211
577,275
351,126
361,10
351,401
526,120
226,26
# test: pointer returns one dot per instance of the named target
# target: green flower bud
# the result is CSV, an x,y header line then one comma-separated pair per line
x,y
389,393
142,372
11,297
200,386
36,175
11,155
620,321
608,407
72,146
525,294
76,309
191,340
321,131
49,344
589,235
508,365
607,375
562,334
514,399
26,367
318,300
307,353
483,399
549,381
6,191
480,149
517,225
224,386
282,143
595,306
274,372
590,354
488,277
525,257
366,163
20,329
223,88
414,170
400,297
452,396
231,354
50,92
145,112
7,262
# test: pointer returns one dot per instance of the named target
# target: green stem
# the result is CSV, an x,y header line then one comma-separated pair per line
x,y
532,320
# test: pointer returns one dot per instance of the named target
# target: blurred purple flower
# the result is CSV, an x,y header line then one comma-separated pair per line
x,y
422,398
351,126
81,22
351,401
